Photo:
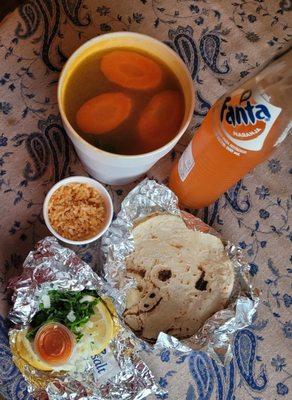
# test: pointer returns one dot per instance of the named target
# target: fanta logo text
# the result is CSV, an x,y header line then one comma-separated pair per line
x,y
247,114
241,135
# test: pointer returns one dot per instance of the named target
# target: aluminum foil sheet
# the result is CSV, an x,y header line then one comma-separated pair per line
x,y
117,373
215,336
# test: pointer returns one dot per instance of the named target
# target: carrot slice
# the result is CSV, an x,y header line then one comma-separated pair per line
x,y
131,70
161,119
104,112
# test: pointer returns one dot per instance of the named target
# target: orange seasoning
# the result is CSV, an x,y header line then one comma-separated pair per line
x,y
54,343
77,211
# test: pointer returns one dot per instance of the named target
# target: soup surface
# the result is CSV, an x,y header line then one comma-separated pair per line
x,y
124,101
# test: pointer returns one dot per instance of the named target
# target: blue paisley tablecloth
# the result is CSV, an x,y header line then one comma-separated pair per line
x,y
222,42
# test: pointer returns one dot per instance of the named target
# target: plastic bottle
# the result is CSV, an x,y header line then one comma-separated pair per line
x,y
239,132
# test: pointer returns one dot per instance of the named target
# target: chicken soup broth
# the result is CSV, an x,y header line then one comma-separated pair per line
x,y
124,101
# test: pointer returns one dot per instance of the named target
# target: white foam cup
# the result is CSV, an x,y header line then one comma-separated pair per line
x,y
114,168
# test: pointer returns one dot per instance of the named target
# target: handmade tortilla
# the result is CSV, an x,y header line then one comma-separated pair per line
x,y
183,277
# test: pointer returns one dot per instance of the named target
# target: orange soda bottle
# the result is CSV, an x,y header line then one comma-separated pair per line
x,y
239,132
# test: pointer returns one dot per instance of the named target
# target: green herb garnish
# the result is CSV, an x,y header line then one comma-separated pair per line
x,y
61,304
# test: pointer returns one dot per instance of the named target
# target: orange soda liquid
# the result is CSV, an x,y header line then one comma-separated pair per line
x,y
239,132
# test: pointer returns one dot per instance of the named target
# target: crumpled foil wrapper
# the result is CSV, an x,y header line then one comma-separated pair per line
x,y
126,376
215,336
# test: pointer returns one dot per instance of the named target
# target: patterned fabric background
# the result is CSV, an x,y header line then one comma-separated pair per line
x,y
222,42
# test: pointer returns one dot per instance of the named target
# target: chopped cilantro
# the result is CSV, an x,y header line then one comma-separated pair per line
x,y
61,305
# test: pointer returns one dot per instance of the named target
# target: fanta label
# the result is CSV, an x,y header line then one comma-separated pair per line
x,y
245,122
186,163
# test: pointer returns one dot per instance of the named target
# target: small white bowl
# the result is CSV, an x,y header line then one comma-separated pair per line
x,y
91,182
